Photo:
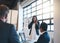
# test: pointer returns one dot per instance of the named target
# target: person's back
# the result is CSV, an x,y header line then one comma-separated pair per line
x,y
44,37
7,31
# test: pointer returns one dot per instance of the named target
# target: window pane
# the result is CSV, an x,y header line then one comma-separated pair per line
x,y
46,10
34,13
43,9
25,8
48,27
46,4
45,16
34,9
29,20
47,21
51,8
25,12
39,12
39,17
25,16
33,4
51,2
52,27
29,7
9,17
39,2
40,22
29,15
39,7
52,21
52,14
29,11
45,0
25,22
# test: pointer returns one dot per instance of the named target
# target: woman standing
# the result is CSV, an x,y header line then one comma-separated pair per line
x,y
34,29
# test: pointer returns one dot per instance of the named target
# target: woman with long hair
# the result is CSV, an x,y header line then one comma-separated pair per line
x,y
34,28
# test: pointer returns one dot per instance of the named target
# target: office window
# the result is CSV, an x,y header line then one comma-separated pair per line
x,y
12,18
39,17
34,4
46,16
33,13
47,21
46,10
45,0
51,2
29,11
29,7
39,2
29,15
40,22
49,27
39,12
52,27
43,9
33,9
39,7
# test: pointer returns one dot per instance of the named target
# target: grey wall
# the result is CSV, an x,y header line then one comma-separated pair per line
x,y
57,21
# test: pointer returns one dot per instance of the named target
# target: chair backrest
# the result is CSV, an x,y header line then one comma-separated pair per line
x,y
23,38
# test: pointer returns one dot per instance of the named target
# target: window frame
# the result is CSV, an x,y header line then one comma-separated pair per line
x,y
50,23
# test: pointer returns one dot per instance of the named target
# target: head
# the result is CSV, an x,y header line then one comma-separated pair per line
x,y
34,19
43,27
3,12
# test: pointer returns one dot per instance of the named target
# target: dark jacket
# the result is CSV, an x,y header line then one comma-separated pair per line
x,y
8,33
44,38
36,27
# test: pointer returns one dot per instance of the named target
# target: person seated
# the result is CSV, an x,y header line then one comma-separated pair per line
x,y
44,37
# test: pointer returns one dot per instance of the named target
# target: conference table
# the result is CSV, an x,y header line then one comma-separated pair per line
x,y
23,39
28,42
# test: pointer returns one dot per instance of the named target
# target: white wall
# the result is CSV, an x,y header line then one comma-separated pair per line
x,y
57,21
51,34
20,22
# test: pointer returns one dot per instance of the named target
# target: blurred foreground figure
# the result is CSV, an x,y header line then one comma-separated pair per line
x,y
7,31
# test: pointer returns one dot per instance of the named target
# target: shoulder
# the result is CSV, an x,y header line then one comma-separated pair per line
x,y
9,25
46,36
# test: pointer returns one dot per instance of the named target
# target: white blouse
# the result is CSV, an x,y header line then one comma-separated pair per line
x,y
33,35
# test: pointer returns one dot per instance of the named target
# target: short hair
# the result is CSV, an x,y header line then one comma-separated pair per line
x,y
44,26
3,10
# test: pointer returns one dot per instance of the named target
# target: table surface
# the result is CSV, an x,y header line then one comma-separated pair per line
x,y
27,42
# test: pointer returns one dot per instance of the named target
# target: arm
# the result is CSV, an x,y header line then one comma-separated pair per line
x,y
38,25
30,25
13,37
37,28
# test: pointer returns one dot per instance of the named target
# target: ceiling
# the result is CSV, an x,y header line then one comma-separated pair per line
x,y
26,2
12,4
